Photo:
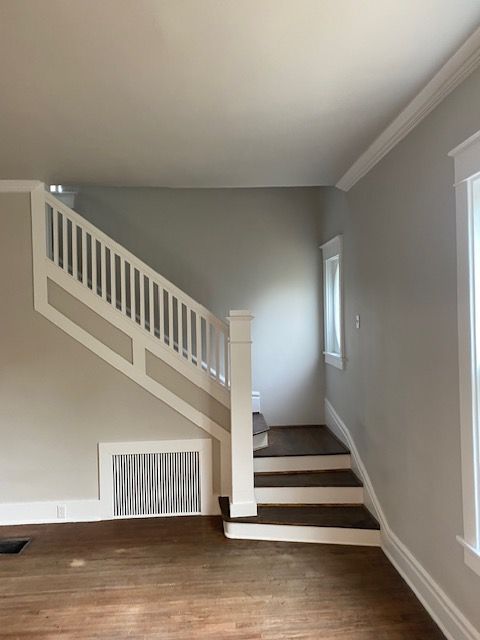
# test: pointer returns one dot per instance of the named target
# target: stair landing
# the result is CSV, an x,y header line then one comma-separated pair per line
x,y
311,440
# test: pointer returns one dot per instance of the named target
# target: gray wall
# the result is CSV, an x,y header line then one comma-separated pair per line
x,y
236,249
399,391
58,399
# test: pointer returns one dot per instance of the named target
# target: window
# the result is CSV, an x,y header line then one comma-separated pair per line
x,y
332,302
467,187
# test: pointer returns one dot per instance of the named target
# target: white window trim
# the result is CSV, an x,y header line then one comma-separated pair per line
x,y
331,249
467,169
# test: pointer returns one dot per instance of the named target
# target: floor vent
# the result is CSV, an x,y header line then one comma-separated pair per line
x,y
146,484
13,547
167,478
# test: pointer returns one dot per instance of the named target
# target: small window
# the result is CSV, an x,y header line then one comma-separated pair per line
x,y
332,302
467,184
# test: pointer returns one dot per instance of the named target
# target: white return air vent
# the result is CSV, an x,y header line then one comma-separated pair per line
x,y
152,479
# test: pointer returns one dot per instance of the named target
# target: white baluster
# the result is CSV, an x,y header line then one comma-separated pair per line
x,y
161,314
113,279
94,264
56,256
84,259
225,356
65,243
208,359
74,251
133,295
217,353
189,333
198,331
123,286
180,326
141,282
170,319
103,265
151,307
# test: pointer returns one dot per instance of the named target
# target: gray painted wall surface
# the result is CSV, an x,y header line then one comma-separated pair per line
x,y
251,249
58,399
399,391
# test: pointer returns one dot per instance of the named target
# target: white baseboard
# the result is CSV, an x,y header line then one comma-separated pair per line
x,y
444,612
46,512
16,513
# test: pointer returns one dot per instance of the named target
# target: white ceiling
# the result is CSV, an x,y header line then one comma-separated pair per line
x,y
211,92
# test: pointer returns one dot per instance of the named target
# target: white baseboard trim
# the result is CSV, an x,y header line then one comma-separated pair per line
x,y
46,512
444,612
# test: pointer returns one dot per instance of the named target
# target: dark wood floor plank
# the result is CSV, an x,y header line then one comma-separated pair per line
x,y
336,478
301,441
180,578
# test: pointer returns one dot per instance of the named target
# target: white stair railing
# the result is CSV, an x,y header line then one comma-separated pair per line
x,y
157,317
186,329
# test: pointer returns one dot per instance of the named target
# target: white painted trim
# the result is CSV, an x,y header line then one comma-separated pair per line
x,y
20,186
302,463
463,62
334,359
446,614
331,249
467,167
309,495
106,450
294,533
43,512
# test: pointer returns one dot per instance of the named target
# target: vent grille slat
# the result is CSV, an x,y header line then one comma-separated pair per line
x,y
149,484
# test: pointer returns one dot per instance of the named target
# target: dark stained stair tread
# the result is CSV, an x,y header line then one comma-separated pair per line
x,y
341,516
259,424
337,478
301,441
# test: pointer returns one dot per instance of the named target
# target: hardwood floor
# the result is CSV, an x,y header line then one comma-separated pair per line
x,y
181,579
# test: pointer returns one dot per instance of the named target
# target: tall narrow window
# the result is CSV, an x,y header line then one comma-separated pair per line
x,y
332,302
467,186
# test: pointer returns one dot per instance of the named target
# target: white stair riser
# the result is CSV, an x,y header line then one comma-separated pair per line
x,y
260,441
309,495
302,463
296,533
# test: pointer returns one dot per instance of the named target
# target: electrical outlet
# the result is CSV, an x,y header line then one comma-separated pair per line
x,y
61,512
357,321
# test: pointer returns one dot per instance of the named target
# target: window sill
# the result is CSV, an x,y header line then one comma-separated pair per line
x,y
470,555
334,359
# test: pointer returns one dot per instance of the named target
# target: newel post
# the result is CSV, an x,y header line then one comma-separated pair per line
x,y
242,500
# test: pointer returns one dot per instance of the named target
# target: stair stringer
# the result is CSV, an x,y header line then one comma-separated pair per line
x,y
135,370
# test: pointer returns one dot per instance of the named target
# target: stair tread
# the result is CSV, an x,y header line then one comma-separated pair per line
x,y
338,516
259,424
310,440
335,478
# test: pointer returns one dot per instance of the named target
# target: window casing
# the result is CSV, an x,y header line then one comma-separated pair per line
x,y
467,188
333,302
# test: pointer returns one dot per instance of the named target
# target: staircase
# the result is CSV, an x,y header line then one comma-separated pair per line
x,y
306,492
283,483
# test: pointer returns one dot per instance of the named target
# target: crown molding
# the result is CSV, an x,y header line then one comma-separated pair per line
x,y
463,62
20,186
